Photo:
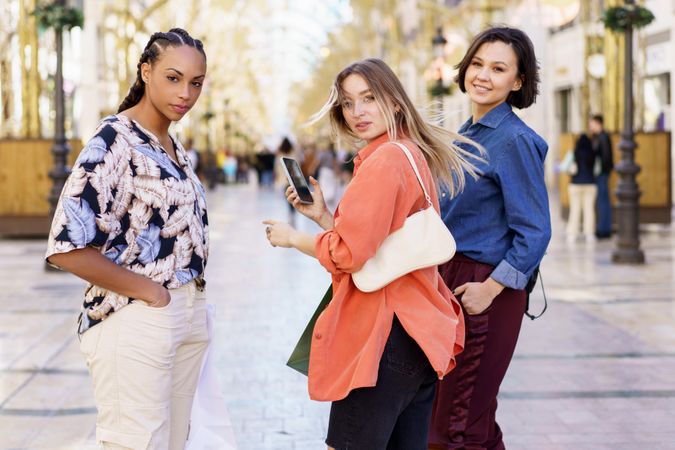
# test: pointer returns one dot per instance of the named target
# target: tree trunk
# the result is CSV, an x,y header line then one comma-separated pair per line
x,y
30,86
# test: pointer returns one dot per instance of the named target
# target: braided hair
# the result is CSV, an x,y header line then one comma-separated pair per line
x,y
175,37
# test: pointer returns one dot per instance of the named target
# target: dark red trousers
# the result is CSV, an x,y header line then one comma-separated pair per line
x,y
466,399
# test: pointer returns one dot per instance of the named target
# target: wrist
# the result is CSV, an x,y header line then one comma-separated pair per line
x,y
293,238
157,296
326,220
494,286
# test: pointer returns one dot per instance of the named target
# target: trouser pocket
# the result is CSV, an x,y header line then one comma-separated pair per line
x,y
89,342
402,354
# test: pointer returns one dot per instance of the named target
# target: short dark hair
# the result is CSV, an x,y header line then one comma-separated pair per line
x,y
528,67
598,118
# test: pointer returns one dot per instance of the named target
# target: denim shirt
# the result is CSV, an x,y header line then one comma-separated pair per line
x,y
502,218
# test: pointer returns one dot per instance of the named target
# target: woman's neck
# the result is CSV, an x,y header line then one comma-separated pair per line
x,y
479,111
152,120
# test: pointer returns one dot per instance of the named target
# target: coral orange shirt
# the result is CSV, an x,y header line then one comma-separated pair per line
x,y
350,335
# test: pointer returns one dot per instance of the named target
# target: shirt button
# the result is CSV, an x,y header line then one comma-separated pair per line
x,y
317,335
442,194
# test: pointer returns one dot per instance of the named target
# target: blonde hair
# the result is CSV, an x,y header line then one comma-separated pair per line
x,y
448,162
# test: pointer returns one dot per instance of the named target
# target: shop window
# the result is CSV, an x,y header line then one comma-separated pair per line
x,y
656,103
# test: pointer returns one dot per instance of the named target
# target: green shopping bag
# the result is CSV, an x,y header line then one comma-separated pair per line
x,y
299,359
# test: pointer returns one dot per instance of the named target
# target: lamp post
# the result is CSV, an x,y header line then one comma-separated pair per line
x,y
438,89
438,43
60,149
207,116
58,16
627,191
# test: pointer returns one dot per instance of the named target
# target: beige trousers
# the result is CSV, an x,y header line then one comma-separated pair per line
x,y
582,204
145,366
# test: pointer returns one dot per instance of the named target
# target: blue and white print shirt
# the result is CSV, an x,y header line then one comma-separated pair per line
x,y
127,198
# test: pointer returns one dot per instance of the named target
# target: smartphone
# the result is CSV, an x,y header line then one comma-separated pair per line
x,y
297,180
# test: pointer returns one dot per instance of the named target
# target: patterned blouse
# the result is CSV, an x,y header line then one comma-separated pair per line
x,y
129,199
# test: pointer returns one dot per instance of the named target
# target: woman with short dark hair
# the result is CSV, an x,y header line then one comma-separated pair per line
x,y
502,227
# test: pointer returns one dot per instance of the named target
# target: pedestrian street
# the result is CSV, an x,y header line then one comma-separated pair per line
x,y
595,372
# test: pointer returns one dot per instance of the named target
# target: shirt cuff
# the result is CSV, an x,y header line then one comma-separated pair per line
x,y
509,276
323,253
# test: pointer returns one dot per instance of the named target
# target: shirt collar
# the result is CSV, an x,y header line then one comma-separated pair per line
x,y
150,138
145,135
369,149
495,116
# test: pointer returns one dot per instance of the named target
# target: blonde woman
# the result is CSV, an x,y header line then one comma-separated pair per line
x,y
377,355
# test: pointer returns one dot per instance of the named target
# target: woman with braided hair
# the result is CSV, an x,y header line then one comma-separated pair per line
x,y
132,222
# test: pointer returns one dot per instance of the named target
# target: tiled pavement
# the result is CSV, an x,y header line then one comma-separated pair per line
x,y
597,371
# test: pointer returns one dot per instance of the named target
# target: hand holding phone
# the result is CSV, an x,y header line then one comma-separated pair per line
x,y
297,180
317,211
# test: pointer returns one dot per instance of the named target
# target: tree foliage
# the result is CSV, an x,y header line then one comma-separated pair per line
x,y
58,16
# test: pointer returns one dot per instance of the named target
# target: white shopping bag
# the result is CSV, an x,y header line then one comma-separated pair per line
x,y
210,426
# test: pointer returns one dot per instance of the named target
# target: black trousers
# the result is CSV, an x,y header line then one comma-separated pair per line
x,y
394,414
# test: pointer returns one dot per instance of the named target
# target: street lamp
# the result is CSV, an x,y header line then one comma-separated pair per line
x,y
60,17
627,191
438,43
438,88
60,149
206,117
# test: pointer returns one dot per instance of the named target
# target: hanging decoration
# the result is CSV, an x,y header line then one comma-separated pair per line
x,y
58,16
439,90
619,18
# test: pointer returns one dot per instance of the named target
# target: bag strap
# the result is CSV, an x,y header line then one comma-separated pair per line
x,y
543,291
414,166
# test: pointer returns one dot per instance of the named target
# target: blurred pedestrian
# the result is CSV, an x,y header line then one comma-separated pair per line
x,y
582,191
310,161
265,167
502,227
328,177
243,168
230,168
377,356
221,157
602,146
210,169
131,221
193,156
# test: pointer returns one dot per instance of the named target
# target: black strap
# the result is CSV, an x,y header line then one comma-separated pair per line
x,y
527,307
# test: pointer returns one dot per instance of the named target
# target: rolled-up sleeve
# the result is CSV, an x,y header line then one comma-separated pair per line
x,y
375,204
521,175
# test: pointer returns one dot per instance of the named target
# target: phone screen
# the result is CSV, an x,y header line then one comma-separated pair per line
x,y
297,179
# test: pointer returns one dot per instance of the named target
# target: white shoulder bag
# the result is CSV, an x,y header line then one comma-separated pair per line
x,y
423,241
